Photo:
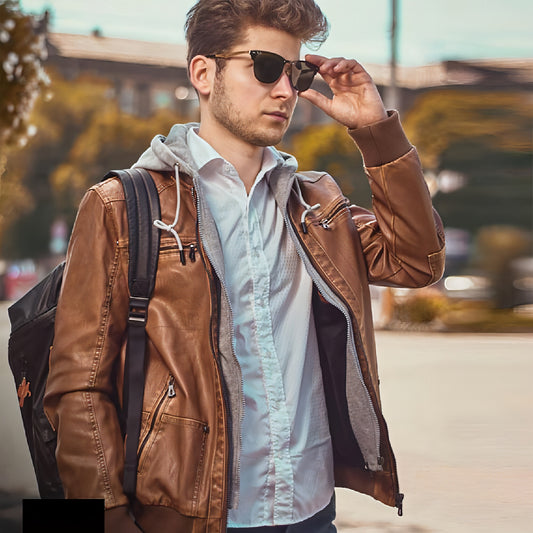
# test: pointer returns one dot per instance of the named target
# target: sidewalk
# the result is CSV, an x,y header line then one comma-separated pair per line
x,y
460,417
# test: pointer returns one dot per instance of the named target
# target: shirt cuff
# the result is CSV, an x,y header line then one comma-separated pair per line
x,y
381,142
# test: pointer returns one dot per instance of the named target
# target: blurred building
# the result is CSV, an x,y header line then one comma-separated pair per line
x,y
147,76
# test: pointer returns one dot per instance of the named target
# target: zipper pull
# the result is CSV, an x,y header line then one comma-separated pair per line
x,y
23,390
171,392
399,503
325,223
182,257
192,255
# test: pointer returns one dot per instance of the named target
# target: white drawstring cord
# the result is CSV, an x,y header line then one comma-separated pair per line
x,y
170,227
308,208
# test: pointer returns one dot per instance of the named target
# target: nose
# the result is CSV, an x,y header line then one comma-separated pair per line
x,y
283,87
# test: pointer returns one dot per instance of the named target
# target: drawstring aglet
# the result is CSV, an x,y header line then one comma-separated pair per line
x,y
305,213
170,227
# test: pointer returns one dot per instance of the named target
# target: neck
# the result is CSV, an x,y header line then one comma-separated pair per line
x,y
245,157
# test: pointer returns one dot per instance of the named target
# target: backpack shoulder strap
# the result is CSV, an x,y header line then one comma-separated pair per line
x,y
142,204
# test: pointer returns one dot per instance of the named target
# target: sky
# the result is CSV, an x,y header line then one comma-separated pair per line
x,y
429,30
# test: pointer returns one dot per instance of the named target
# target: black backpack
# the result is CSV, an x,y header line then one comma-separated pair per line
x,y
32,320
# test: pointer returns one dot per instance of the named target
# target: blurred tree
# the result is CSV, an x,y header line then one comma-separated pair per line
x,y
328,148
500,120
22,79
487,138
112,139
27,201
497,247
81,135
498,187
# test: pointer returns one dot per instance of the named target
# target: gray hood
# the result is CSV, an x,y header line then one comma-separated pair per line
x,y
172,153
167,152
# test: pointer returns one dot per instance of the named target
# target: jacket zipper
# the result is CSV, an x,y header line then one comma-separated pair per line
x,y
229,481
343,204
189,250
398,495
324,222
350,341
398,498
168,392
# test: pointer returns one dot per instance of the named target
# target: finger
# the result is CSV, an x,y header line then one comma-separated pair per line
x,y
317,99
315,59
326,65
346,65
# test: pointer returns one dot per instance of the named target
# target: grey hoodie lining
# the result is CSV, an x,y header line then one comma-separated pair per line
x,y
166,152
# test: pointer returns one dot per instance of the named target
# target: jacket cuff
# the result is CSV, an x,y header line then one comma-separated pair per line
x,y
382,142
118,520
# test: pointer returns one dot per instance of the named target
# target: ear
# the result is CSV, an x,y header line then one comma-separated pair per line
x,y
202,73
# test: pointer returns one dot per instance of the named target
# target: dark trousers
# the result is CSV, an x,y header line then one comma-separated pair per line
x,y
321,522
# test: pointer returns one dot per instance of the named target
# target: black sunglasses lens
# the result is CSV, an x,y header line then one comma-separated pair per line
x,y
268,67
303,74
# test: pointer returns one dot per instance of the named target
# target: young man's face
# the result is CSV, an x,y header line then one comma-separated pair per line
x,y
255,112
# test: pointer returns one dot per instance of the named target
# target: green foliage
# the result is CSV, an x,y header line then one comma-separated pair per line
x,y
425,308
421,307
498,188
476,317
486,137
22,50
112,139
28,204
496,248
501,121
81,135
329,148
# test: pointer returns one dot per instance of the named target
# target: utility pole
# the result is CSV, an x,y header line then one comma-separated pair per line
x,y
392,93
392,101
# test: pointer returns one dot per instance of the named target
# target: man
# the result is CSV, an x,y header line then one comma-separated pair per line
x,y
261,388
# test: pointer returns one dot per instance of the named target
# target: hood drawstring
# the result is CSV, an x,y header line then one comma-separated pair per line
x,y
170,228
308,208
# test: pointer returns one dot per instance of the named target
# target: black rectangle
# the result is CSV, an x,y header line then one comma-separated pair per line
x,y
59,516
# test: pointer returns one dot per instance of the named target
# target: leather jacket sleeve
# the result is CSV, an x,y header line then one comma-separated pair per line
x,y
81,398
403,239
117,520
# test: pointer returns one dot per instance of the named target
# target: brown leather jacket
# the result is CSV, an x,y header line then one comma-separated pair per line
x,y
188,449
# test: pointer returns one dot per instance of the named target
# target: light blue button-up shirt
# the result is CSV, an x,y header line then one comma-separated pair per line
x,y
286,468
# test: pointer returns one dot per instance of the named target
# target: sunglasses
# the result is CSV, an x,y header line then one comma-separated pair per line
x,y
268,67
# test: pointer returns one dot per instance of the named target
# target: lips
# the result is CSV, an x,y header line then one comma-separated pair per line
x,y
278,114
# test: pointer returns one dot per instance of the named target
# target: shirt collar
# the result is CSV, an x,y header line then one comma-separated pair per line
x,y
203,153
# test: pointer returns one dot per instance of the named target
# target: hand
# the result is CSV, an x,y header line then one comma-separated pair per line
x,y
356,101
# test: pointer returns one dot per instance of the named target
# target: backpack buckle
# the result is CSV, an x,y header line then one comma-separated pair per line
x,y
138,311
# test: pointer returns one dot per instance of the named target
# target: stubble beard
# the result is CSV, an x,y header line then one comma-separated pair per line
x,y
229,116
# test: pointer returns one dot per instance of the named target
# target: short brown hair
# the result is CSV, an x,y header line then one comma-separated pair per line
x,y
215,26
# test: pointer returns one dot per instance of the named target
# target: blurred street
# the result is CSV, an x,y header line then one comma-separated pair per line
x,y
460,415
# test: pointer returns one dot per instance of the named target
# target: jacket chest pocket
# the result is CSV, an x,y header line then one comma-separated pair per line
x,y
188,254
171,465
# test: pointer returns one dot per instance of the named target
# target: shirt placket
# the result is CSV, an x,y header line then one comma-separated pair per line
x,y
280,468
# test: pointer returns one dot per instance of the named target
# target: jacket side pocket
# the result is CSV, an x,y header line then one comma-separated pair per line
x,y
171,466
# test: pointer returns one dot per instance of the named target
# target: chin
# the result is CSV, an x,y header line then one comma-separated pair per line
x,y
266,140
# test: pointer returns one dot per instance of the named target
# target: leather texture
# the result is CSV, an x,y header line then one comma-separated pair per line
x,y
184,451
